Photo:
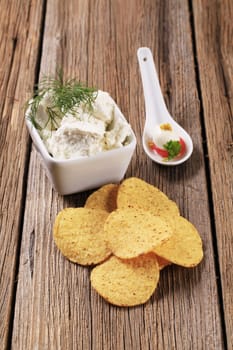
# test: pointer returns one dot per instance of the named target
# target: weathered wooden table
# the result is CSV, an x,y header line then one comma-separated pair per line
x,y
46,302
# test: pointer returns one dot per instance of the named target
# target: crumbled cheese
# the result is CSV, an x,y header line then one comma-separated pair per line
x,y
85,132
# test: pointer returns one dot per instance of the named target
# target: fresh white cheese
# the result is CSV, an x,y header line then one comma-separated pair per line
x,y
103,108
84,132
42,117
161,136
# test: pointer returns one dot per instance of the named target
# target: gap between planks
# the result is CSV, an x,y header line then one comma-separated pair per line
x,y
25,181
208,177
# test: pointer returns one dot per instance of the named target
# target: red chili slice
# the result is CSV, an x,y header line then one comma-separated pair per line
x,y
183,147
162,152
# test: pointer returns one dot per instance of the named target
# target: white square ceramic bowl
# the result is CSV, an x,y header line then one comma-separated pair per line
x,y
85,173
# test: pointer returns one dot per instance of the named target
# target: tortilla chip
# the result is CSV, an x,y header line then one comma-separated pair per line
x,y
184,247
126,282
136,193
131,232
79,234
104,198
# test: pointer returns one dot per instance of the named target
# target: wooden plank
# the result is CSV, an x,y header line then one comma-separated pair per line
x,y
20,23
55,305
214,33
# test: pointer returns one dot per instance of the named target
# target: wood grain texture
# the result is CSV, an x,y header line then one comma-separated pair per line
x,y
20,24
55,305
214,33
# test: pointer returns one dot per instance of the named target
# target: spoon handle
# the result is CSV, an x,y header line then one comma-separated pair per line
x,y
156,110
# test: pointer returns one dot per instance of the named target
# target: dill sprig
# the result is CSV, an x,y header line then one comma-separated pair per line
x,y
65,96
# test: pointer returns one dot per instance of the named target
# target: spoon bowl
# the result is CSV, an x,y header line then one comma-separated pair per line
x,y
156,111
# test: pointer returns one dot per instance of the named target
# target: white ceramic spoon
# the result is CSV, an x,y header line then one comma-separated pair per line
x,y
156,110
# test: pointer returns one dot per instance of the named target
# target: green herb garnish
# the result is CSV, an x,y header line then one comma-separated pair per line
x,y
173,148
65,96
